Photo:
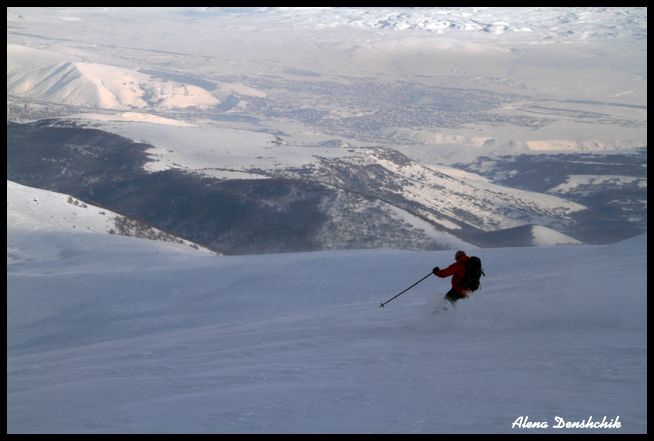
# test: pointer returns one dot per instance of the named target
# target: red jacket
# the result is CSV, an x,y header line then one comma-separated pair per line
x,y
457,271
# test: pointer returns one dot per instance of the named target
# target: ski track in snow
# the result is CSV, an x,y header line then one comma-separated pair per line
x,y
114,334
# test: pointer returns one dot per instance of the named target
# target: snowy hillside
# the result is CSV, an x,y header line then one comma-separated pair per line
x,y
140,336
33,209
94,85
446,198
544,236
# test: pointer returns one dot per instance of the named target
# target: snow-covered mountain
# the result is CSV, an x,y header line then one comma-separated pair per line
x,y
96,85
33,209
447,198
149,337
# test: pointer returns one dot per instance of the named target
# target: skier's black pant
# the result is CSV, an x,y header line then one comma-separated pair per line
x,y
452,296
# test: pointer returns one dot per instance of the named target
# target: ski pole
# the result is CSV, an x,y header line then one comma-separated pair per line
x,y
382,305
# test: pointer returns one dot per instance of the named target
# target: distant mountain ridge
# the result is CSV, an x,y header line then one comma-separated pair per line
x,y
533,23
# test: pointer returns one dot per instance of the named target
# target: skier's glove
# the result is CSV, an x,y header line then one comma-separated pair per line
x,y
435,270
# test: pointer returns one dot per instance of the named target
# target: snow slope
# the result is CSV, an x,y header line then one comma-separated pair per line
x,y
544,236
33,209
117,334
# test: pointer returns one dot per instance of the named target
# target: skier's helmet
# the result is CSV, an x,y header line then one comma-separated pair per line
x,y
459,254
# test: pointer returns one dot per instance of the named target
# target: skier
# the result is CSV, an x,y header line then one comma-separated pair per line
x,y
457,271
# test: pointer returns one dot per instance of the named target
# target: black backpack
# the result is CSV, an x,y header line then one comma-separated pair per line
x,y
473,274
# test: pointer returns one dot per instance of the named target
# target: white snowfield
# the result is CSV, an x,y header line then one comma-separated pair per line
x,y
115,334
